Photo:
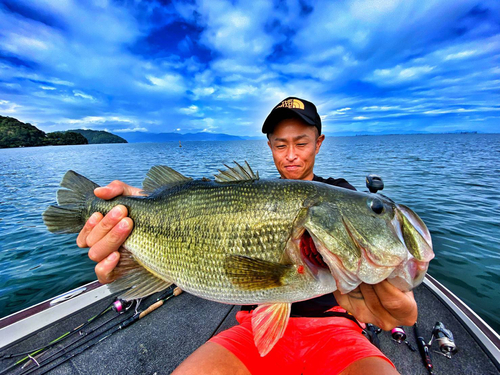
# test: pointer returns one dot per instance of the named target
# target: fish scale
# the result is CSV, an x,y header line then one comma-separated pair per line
x,y
199,236
203,240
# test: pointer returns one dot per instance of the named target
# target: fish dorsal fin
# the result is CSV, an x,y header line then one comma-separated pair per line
x,y
269,322
236,174
255,274
160,176
133,276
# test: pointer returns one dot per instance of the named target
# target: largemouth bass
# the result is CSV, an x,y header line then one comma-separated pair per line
x,y
241,240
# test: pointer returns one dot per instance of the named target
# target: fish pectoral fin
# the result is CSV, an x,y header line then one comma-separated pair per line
x,y
160,176
254,274
269,322
133,276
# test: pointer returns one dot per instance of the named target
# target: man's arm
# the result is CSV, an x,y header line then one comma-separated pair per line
x,y
105,235
381,304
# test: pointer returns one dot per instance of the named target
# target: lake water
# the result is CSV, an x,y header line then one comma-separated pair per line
x,y
450,180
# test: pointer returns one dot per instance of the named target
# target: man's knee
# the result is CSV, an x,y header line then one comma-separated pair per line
x,y
213,359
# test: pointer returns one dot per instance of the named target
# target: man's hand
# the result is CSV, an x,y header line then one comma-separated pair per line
x,y
105,235
381,304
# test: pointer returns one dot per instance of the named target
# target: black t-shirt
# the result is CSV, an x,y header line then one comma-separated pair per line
x,y
316,307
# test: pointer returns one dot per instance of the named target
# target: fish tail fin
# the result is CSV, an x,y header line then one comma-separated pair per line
x,y
67,216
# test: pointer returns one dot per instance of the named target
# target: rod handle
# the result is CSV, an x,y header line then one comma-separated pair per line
x,y
151,308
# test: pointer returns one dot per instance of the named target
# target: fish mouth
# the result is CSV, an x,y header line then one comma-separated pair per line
x,y
404,266
310,254
321,260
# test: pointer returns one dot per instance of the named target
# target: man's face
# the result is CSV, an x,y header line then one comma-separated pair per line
x,y
294,145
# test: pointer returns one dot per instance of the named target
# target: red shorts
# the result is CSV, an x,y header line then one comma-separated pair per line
x,y
309,346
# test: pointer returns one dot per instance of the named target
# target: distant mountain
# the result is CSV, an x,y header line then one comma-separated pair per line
x,y
99,136
360,133
14,133
66,138
391,132
137,137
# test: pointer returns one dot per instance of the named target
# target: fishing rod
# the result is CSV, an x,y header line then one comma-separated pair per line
x,y
122,324
83,335
117,305
424,350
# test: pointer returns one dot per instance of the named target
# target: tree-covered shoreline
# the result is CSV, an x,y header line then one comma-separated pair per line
x,y
14,133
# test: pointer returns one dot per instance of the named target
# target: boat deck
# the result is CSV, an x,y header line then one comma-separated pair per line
x,y
160,341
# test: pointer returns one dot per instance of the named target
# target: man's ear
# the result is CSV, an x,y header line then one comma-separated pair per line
x,y
319,141
269,144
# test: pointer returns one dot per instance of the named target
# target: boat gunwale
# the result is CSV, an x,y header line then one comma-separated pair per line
x,y
484,335
94,293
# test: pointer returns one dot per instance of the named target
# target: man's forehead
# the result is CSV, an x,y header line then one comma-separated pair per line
x,y
290,137
293,128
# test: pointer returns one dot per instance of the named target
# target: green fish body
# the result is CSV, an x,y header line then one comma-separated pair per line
x,y
240,240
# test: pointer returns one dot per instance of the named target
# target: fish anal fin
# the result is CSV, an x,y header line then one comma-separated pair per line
x,y
269,322
139,281
255,274
160,176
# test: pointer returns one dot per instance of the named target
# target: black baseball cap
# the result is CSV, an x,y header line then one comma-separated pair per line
x,y
295,107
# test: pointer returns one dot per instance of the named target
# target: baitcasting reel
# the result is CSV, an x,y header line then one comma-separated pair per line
x,y
445,340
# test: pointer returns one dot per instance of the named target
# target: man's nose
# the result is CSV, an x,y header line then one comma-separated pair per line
x,y
290,155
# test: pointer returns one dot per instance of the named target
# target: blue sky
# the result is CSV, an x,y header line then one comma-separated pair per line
x,y
221,66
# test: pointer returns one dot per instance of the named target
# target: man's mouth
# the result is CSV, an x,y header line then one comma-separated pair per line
x,y
292,167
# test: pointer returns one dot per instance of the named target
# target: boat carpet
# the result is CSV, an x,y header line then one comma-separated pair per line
x,y
159,342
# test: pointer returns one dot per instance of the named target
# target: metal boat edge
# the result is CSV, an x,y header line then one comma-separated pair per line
x,y
486,337
23,323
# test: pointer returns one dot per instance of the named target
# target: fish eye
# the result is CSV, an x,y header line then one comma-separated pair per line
x,y
377,206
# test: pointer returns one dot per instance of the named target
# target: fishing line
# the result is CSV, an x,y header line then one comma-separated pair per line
x,y
122,324
85,336
53,342
116,305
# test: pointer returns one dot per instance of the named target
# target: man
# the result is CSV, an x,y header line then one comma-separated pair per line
x,y
294,136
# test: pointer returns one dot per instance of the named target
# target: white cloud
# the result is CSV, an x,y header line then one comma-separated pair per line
x,y
459,55
136,129
99,120
354,59
237,30
173,83
379,108
83,95
191,110
237,91
203,91
398,74
8,107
